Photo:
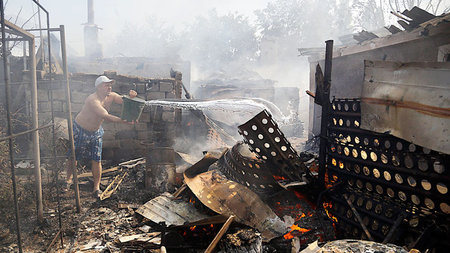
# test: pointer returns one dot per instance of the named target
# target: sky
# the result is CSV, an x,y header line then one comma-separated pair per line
x,y
110,15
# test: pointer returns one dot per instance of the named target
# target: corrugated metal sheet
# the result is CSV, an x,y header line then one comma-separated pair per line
x,y
408,100
173,212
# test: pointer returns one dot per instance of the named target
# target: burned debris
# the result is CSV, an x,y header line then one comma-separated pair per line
x,y
373,176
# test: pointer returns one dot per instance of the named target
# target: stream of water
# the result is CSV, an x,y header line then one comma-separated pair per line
x,y
230,110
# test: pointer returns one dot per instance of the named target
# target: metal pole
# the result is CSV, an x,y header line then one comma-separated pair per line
x,y
24,55
41,38
325,112
35,136
8,115
69,116
51,88
23,133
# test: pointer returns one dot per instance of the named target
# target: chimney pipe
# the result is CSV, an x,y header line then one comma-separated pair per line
x,y
90,12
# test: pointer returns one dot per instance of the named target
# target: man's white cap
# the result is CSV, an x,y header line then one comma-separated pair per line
x,y
102,79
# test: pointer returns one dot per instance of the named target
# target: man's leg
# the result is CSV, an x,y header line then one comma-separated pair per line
x,y
97,174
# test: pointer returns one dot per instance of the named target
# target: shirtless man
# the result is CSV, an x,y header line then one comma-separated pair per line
x,y
88,131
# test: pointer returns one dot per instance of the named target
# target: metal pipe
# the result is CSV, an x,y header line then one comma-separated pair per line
x,y
23,133
51,92
35,137
43,29
24,53
41,37
69,116
8,115
325,112
90,12
48,40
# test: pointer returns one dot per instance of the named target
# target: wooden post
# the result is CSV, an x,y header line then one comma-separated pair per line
x,y
219,235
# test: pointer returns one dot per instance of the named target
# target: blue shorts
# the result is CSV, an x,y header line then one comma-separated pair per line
x,y
88,145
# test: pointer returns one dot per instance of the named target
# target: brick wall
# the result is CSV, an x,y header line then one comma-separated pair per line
x,y
121,141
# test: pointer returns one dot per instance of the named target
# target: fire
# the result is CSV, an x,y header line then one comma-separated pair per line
x,y
192,228
329,182
278,178
328,206
295,228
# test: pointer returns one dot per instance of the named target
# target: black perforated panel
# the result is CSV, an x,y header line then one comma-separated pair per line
x,y
384,177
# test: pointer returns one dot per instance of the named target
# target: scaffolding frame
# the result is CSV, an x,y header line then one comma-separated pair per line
x,y
25,36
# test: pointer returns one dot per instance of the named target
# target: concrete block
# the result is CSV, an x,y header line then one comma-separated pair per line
x,y
166,86
141,127
43,107
153,86
57,106
59,94
109,135
111,143
168,116
123,127
140,88
108,126
126,134
42,95
156,95
127,144
76,107
170,95
110,73
78,97
145,135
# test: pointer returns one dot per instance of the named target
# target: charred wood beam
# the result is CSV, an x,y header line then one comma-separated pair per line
x,y
394,227
326,106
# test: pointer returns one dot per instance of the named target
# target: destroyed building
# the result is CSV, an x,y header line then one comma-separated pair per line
x,y
381,175
383,90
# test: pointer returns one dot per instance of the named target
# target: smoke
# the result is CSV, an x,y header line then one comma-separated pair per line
x,y
219,36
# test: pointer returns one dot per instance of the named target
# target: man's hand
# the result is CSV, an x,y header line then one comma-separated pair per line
x,y
132,93
129,122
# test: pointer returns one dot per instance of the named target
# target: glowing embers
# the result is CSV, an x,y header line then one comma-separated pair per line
x,y
270,144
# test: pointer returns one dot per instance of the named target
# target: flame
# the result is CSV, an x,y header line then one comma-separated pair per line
x,y
192,228
329,182
327,207
278,178
295,228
